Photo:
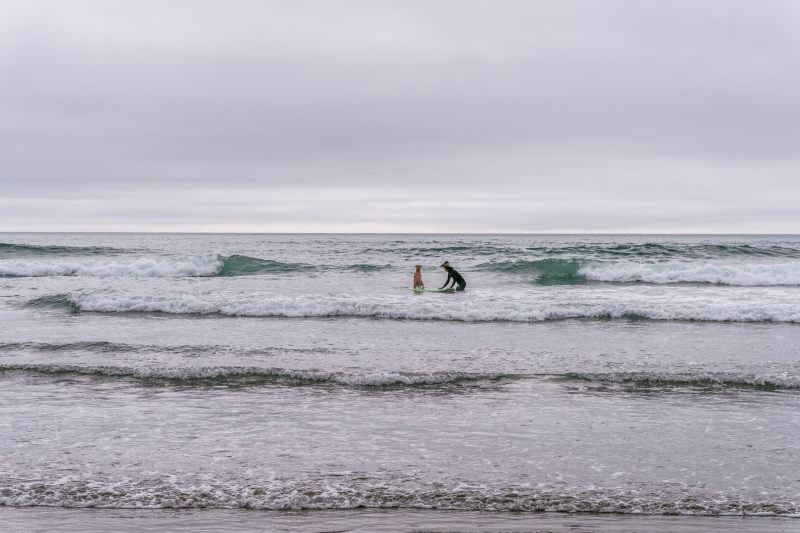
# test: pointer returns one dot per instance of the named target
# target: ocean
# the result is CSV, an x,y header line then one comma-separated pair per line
x,y
260,377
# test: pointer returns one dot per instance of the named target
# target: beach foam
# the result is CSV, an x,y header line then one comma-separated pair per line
x,y
723,274
201,265
173,492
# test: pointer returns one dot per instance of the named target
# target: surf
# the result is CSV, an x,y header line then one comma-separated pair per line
x,y
353,490
469,308
206,265
578,272
233,376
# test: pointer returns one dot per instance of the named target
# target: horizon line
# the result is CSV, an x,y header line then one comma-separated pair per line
x,y
754,234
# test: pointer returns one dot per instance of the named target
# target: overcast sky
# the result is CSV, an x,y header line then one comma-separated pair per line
x,y
429,116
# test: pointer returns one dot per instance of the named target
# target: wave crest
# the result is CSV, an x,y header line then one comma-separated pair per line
x,y
573,272
652,250
242,265
12,249
693,380
744,275
251,376
512,310
196,266
202,265
545,271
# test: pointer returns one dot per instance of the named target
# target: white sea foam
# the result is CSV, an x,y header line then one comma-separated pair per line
x,y
260,374
738,307
266,375
353,491
725,274
201,265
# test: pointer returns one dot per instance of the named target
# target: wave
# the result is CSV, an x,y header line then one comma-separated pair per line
x,y
202,265
242,265
197,266
254,376
12,249
597,251
192,350
462,310
572,272
676,250
743,275
726,380
545,271
238,376
425,249
350,491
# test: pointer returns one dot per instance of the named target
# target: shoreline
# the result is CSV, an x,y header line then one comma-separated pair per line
x,y
23,519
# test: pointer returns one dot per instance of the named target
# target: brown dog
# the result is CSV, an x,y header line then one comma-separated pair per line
x,y
418,278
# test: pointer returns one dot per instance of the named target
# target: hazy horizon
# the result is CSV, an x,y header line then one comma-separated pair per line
x,y
565,234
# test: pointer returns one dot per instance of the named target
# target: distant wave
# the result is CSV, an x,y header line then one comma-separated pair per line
x,y
597,251
456,310
677,250
11,249
197,266
571,272
441,252
251,376
350,491
201,265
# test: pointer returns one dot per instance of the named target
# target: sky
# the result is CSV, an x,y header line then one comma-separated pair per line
x,y
429,116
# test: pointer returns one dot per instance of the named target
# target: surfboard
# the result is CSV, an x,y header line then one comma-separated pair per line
x,y
431,290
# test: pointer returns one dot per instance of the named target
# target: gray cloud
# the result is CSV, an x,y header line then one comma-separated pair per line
x,y
510,116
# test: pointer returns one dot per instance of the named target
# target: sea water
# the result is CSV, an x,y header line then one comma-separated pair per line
x,y
651,375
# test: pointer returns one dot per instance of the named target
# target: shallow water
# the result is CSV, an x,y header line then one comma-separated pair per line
x,y
298,372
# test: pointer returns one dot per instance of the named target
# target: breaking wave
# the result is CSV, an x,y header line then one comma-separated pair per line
x,y
510,310
201,265
572,272
544,271
750,275
254,376
242,265
260,376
